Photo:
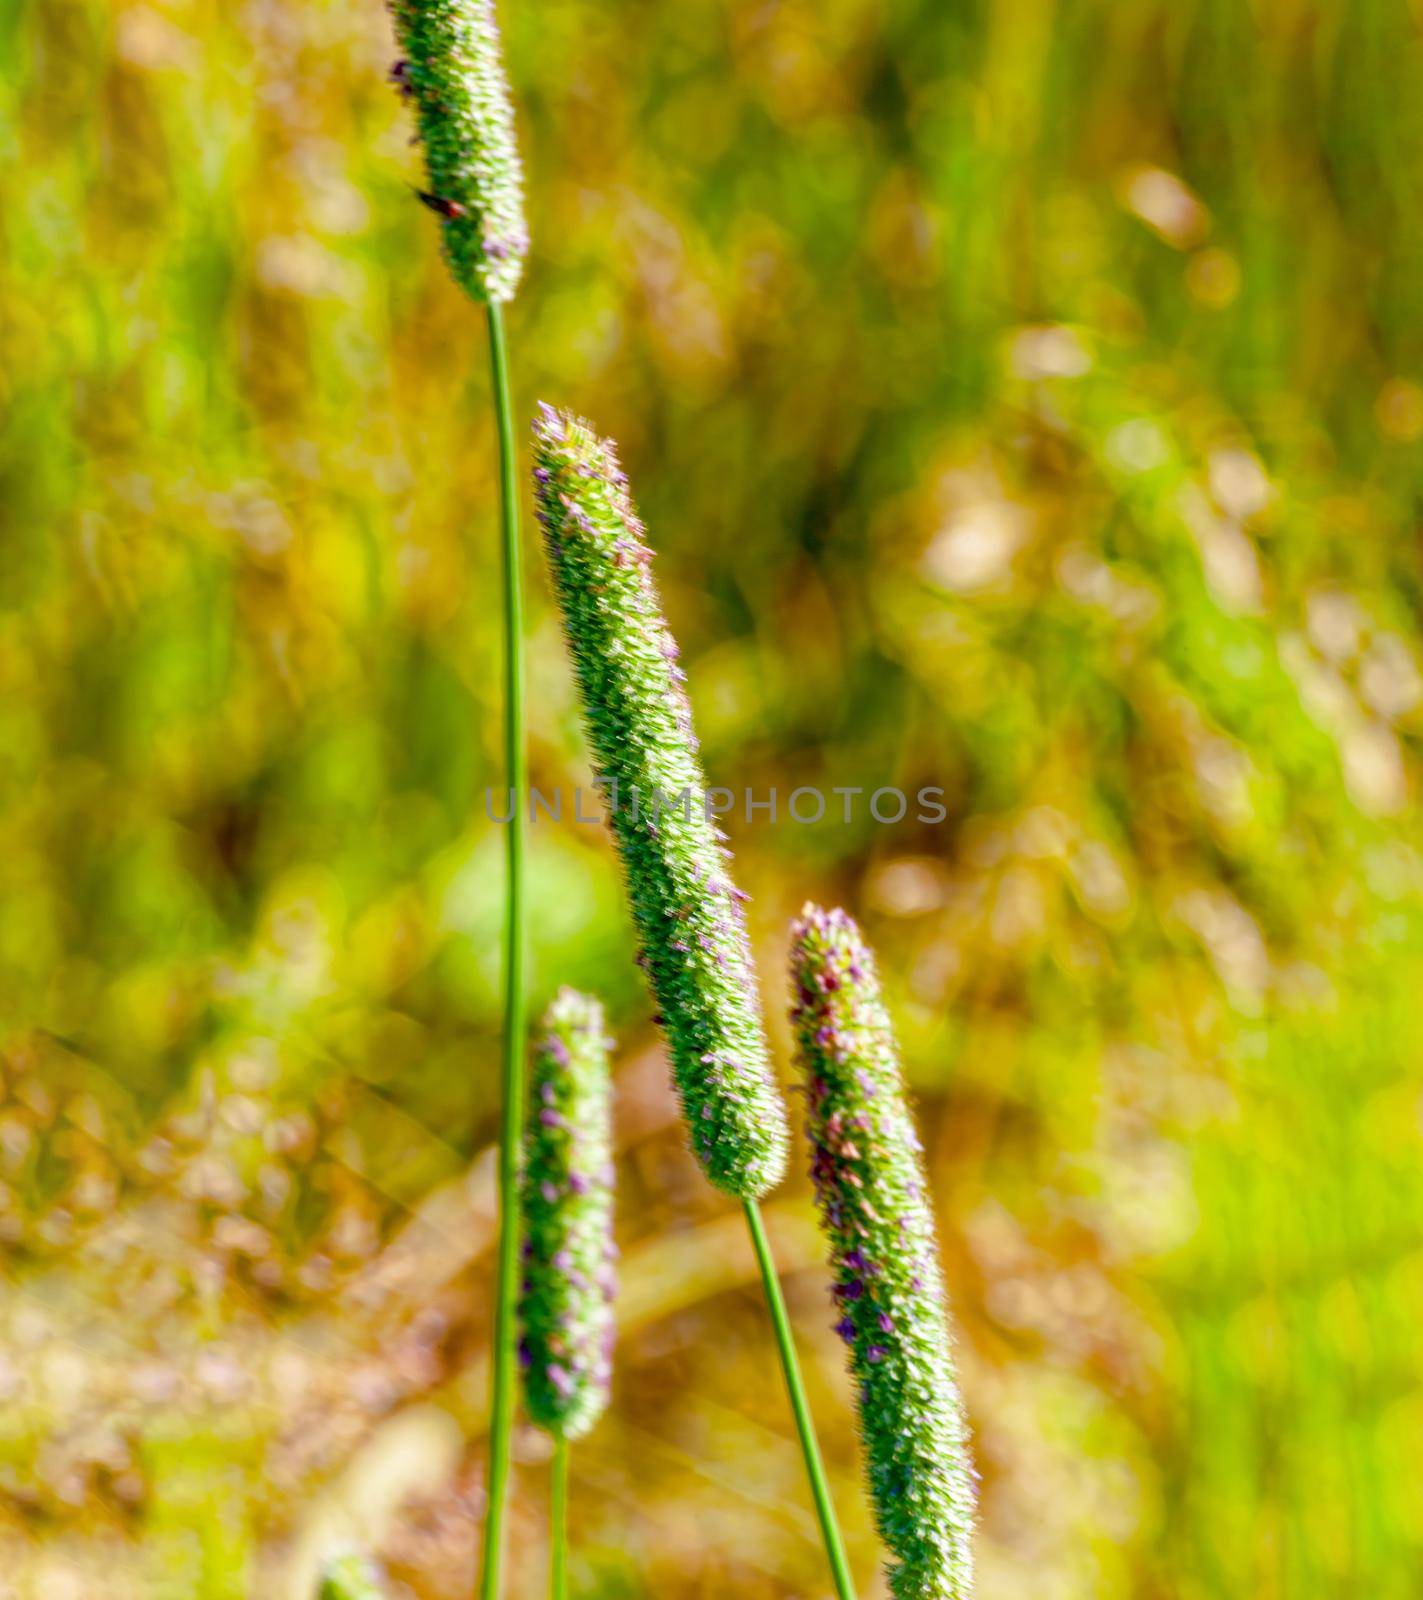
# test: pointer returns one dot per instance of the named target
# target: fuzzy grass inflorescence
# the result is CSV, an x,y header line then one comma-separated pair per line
x,y
349,1576
566,1304
453,71
686,908
889,1289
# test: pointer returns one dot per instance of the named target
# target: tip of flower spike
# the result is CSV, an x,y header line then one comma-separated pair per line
x,y
348,1575
570,1007
574,438
582,494
817,926
550,424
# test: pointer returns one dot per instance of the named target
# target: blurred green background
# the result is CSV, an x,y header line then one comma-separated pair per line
x,y
1024,399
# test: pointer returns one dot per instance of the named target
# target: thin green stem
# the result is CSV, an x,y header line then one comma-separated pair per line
x,y
558,1522
502,1383
790,1366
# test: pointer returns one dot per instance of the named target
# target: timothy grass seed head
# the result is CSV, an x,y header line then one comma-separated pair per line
x,y
686,909
453,74
889,1297
566,1303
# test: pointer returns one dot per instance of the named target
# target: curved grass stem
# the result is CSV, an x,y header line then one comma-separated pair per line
x,y
502,1384
800,1406
558,1522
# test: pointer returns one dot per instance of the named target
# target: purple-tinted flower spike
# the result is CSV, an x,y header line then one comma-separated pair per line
x,y
566,1307
888,1290
453,73
686,909
349,1576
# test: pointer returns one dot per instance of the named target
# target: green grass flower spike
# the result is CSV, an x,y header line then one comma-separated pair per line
x,y
453,71
888,1290
350,1577
566,1306
687,911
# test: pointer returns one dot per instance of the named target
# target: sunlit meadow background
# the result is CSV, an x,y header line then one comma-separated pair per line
x,y
1024,399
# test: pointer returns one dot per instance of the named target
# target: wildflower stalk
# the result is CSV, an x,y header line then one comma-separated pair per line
x,y
558,1522
502,1380
349,1576
453,72
800,1406
875,1211
686,909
